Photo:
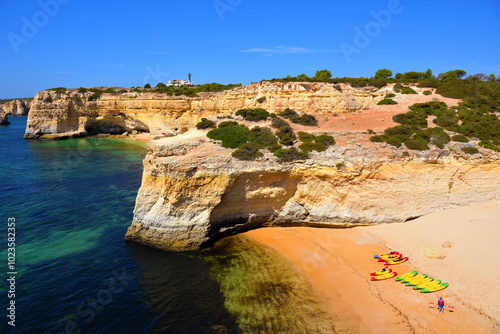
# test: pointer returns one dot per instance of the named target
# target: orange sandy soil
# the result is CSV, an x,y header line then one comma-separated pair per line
x,y
337,262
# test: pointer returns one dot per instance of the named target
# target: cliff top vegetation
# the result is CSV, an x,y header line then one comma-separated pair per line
x,y
20,98
249,142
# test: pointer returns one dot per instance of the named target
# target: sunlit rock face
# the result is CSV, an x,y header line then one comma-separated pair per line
x,y
16,107
194,193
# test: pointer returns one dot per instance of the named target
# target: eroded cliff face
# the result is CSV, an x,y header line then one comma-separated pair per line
x,y
3,119
16,107
71,114
194,193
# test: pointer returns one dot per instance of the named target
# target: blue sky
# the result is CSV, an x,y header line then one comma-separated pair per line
x,y
74,43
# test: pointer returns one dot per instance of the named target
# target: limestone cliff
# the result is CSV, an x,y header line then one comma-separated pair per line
x,y
193,192
3,119
16,107
69,114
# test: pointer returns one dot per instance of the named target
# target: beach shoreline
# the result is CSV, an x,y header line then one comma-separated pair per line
x,y
337,262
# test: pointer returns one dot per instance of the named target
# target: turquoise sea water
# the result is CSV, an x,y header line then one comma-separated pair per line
x,y
72,201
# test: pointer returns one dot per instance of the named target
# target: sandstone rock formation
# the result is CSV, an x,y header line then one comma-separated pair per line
x,y
193,192
3,119
68,114
16,107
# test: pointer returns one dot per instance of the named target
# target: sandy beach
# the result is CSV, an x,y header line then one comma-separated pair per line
x,y
337,262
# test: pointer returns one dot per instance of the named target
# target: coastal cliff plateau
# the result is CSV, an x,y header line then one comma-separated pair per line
x,y
194,193
16,107
75,114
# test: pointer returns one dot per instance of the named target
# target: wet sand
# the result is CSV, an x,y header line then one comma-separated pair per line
x,y
337,262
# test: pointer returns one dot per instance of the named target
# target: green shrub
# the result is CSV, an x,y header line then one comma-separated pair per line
x,y
394,142
205,124
489,145
308,147
407,90
400,131
427,92
470,150
390,95
289,114
305,119
254,115
231,135
291,154
286,136
439,137
247,152
448,120
97,94
306,137
412,118
261,99
82,90
370,131
279,123
386,102
460,138
325,140
430,108
58,89
274,147
416,144
406,154
378,139
228,123
397,87
110,90
263,138
147,86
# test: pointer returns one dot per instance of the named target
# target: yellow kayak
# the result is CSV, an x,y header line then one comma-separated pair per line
x,y
435,288
414,279
407,275
427,285
421,281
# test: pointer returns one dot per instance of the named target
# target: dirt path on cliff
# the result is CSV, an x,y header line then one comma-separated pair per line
x,y
338,262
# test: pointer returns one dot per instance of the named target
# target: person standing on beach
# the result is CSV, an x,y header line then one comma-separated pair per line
x,y
441,305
